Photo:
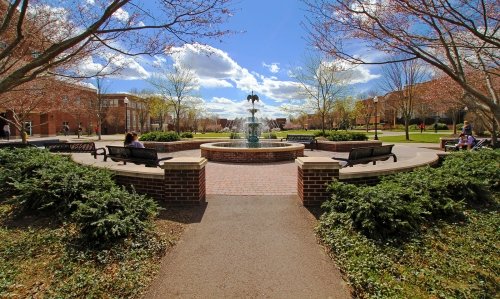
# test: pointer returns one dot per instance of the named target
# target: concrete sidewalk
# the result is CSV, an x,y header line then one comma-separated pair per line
x,y
249,247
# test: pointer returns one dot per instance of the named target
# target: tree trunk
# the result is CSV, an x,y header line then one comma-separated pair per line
x,y
454,119
407,128
494,129
323,124
99,128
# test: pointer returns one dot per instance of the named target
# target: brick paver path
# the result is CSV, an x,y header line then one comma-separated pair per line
x,y
252,179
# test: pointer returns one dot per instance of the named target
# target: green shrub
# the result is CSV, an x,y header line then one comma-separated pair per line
x,y
160,136
401,204
36,180
234,135
270,136
347,136
108,215
187,135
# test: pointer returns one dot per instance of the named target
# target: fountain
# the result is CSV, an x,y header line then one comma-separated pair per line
x,y
253,126
253,150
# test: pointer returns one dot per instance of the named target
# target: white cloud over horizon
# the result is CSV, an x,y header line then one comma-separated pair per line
x,y
215,68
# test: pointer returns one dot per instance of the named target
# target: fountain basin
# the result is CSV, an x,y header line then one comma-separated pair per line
x,y
240,152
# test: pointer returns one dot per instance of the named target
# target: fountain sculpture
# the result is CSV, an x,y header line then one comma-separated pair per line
x,y
253,126
251,151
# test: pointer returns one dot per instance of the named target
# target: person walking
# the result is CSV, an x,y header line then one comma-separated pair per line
x,y
6,131
65,130
422,127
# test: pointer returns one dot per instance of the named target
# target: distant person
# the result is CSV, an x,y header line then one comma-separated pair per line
x,y
65,130
6,131
465,142
422,127
467,129
132,140
435,127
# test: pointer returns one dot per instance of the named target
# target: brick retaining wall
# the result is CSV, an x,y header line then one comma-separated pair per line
x,y
182,183
325,145
251,157
143,185
176,146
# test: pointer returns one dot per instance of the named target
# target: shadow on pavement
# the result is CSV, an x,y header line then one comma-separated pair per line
x,y
185,215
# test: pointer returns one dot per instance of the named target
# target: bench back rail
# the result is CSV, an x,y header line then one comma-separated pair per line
x,y
364,155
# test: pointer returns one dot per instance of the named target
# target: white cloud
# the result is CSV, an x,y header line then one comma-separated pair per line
x,y
360,74
220,100
231,109
121,15
215,68
91,2
119,67
214,83
272,67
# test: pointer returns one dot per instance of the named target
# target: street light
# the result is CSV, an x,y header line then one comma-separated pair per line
x,y
375,100
126,101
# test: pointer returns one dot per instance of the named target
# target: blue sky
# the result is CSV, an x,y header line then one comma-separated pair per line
x,y
268,42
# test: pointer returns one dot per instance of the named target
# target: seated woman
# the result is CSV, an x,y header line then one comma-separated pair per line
x,y
131,140
465,142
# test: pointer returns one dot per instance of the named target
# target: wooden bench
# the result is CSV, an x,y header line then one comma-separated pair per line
x,y
75,147
146,156
304,139
364,155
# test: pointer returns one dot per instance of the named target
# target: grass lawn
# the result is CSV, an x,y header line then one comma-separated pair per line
x,y
416,137
41,260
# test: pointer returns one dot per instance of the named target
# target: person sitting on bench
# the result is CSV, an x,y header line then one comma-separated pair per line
x,y
465,142
131,140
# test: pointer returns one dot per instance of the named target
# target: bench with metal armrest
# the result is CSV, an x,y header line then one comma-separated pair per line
x,y
303,139
364,155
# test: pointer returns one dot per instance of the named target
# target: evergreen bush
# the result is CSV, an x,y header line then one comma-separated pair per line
x,y
187,135
401,204
160,136
36,180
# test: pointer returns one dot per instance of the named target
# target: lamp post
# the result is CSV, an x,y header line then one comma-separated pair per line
x,y
375,101
125,101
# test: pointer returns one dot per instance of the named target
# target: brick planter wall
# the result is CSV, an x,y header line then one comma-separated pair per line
x,y
182,183
345,146
185,181
325,145
251,157
175,146
149,185
314,173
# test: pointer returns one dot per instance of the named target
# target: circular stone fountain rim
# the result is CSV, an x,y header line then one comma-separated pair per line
x,y
212,147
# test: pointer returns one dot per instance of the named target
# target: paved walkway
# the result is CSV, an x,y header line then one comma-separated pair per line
x,y
249,247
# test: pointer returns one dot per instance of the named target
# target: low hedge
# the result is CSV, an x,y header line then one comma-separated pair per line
x,y
347,136
342,135
401,204
427,233
187,135
160,136
37,181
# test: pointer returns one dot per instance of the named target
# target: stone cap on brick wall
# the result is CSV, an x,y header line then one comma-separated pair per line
x,y
369,170
184,163
317,163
